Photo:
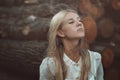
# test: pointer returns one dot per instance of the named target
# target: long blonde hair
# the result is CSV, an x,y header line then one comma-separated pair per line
x,y
55,48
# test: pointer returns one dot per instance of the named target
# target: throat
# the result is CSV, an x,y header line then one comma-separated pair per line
x,y
73,55
75,58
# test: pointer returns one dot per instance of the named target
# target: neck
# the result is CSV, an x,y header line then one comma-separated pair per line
x,y
71,49
73,54
70,44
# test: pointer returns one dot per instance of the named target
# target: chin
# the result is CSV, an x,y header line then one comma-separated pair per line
x,y
82,35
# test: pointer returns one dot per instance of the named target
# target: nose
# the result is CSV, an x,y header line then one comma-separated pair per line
x,y
79,23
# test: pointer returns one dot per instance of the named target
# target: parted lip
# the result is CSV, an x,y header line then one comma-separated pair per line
x,y
80,29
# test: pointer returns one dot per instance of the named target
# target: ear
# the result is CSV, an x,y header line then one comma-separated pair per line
x,y
60,33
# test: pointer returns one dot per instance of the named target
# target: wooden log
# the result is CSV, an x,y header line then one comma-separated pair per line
x,y
71,3
112,74
105,2
45,10
90,29
116,38
11,3
60,6
107,57
22,58
22,49
107,52
7,75
87,8
116,4
7,3
42,10
32,30
106,29
30,1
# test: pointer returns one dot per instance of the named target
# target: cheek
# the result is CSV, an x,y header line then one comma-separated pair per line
x,y
68,29
65,29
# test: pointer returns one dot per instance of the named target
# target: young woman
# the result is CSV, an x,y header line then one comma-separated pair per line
x,y
66,59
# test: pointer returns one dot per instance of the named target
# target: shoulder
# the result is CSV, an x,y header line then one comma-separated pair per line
x,y
48,65
94,54
48,61
47,69
95,58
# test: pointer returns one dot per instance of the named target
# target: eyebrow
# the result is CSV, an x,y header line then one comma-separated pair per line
x,y
72,19
69,19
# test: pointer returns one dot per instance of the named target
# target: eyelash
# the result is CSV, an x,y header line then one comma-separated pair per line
x,y
73,22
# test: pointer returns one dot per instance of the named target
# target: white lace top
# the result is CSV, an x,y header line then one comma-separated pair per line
x,y
47,68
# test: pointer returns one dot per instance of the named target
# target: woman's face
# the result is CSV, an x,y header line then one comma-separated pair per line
x,y
72,27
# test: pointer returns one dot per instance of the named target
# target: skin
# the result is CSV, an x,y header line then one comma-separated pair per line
x,y
71,32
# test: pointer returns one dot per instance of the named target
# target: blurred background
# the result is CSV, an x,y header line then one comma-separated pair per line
x,y
23,34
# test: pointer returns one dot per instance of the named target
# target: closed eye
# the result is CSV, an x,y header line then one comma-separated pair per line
x,y
71,22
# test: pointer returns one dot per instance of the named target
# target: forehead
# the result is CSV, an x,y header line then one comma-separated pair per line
x,y
70,15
